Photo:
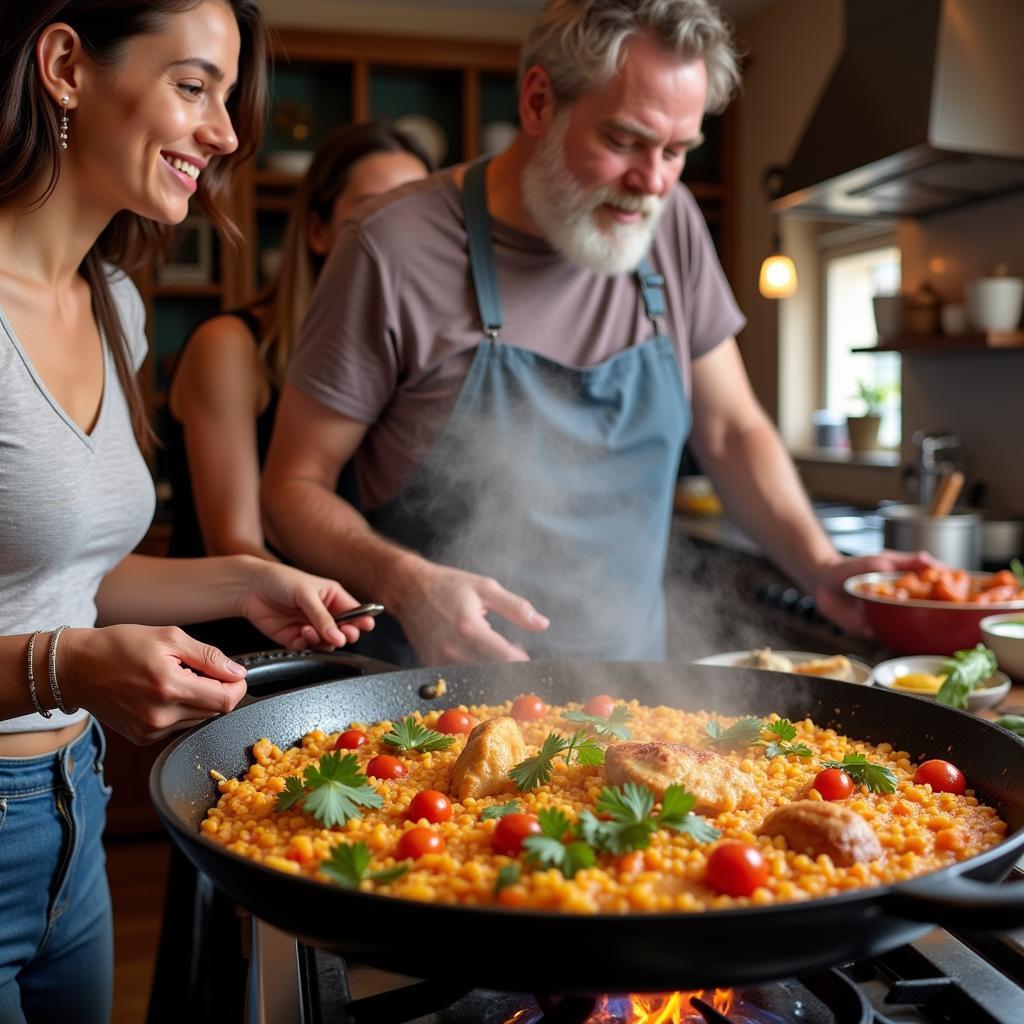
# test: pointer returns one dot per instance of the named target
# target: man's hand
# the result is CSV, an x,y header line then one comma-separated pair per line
x,y
444,614
845,611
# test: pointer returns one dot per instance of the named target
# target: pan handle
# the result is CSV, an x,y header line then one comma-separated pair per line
x,y
365,666
960,902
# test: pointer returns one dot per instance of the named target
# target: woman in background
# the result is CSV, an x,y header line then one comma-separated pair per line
x,y
225,383
113,115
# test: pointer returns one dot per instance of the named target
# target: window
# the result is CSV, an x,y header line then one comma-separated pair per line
x,y
851,279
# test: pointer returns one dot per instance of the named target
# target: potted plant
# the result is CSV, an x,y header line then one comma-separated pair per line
x,y
863,430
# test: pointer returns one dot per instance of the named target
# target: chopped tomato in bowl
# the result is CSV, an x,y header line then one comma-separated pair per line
x,y
935,611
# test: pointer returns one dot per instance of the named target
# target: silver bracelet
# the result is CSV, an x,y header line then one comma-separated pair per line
x,y
32,676
54,637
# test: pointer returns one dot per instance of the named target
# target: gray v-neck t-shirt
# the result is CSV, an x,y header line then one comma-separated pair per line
x,y
72,504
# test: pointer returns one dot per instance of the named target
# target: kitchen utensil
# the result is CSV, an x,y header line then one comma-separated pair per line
x,y
954,539
988,696
946,494
363,609
1003,634
531,950
915,626
937,454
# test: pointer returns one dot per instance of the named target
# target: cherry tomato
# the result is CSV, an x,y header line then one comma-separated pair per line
x,y
528,708
454,721
510,832
601,705
350,739
384,766
430,804
833,784
736,868
417,842
942,776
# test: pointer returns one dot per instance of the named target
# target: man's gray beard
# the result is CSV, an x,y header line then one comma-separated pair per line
x,y
564,211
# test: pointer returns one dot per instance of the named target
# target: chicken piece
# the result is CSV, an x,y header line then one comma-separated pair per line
x,y
817,826
716,784
493,749
838,667
766,658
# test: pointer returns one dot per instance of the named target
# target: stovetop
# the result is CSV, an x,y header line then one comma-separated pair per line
x,y
941,979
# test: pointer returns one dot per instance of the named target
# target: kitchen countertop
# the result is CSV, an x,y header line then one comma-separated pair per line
x,y
853,531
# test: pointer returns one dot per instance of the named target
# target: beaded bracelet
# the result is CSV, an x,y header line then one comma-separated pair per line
x,y
54,637
32,676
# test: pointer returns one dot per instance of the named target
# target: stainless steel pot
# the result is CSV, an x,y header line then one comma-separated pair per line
x,y
1002,538
954,539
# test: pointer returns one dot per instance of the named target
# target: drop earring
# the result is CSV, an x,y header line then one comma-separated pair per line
x,y
62,133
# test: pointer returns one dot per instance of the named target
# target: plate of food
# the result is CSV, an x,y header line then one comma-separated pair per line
x,y
804,663
970,679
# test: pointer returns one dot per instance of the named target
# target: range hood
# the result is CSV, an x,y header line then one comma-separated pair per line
x,y
924,112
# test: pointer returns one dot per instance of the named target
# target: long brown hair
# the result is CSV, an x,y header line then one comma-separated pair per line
x,y
30,154
287,296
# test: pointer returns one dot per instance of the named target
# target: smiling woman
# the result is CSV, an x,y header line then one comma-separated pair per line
x,y
114,115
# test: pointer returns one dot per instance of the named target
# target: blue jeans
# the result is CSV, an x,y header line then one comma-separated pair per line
x,y
56,934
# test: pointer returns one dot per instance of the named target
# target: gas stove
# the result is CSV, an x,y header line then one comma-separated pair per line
x,y
943,978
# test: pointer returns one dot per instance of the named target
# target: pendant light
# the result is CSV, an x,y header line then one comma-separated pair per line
x,y
777,279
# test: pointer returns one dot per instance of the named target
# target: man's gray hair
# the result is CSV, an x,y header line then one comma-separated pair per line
x,y
579,43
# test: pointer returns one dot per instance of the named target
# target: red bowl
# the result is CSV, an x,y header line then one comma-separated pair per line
x,y
913,626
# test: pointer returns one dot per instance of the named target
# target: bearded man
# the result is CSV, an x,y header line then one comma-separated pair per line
x,y
516,351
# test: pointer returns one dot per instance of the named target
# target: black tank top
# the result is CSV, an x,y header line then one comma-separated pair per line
x,y
186,537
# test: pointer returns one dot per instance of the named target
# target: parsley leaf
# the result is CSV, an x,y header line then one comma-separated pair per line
x,y
500,810
613,725
332,791
966,669
586,751
409,734
349,864
536,770
508,875
1017,568
744,733
778,745
1015,723
550,847
632,824
876,777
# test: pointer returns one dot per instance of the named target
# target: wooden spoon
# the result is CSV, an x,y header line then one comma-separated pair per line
x,y
946,493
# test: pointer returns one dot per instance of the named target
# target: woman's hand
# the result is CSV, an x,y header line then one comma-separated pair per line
x,y
146,681
296,610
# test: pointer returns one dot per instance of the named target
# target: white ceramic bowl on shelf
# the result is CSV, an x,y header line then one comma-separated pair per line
x,y
995,303
887,672
290,161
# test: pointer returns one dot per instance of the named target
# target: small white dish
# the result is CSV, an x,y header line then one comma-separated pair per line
x,y
731,659
290,161
1003,635
887,672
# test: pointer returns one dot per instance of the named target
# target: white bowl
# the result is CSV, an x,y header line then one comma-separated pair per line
x,y
290,161
731,659
995,303
887,672
1006,646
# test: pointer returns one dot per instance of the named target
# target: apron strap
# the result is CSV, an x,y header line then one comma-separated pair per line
x,y
481,253
651,284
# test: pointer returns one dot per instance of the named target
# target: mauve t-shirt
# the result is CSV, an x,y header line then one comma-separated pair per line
x,y
393,324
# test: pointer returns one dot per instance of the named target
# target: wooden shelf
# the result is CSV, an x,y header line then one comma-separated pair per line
x,y
944,343
276,179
